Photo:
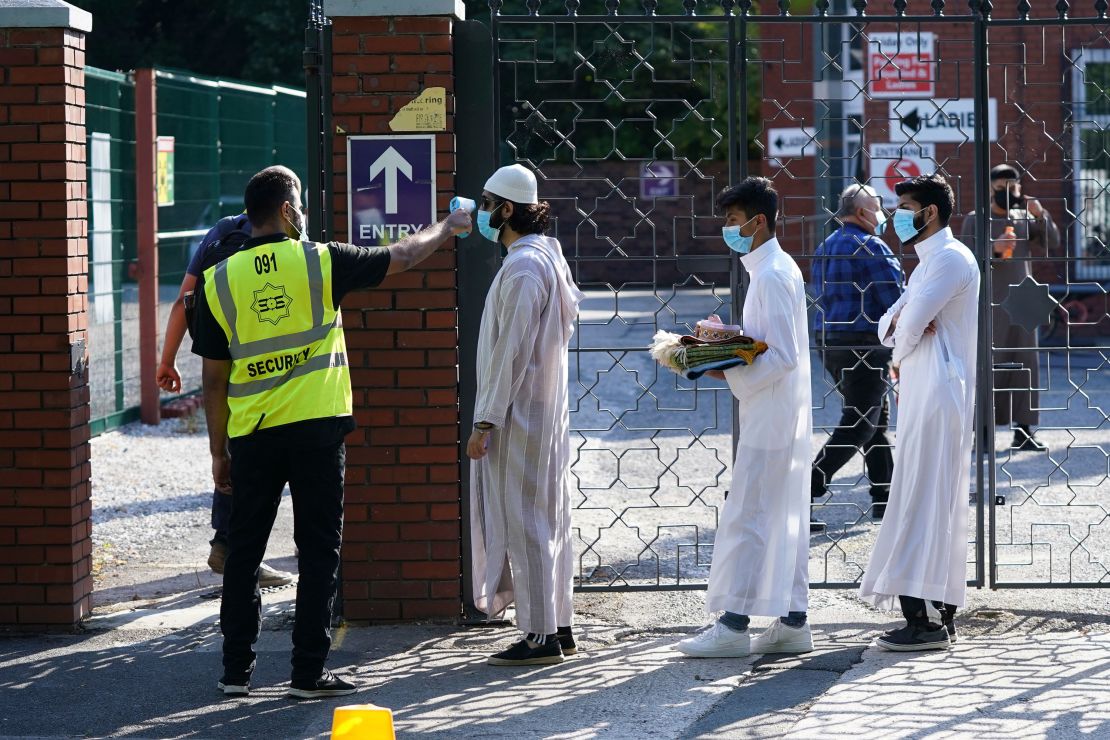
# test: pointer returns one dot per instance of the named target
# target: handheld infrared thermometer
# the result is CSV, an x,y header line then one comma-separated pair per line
x,y
466,203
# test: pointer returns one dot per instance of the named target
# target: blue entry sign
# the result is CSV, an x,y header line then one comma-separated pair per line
x,y
658,180
391,187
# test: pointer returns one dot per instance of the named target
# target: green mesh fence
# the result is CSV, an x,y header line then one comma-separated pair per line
x,y
113,305
224,131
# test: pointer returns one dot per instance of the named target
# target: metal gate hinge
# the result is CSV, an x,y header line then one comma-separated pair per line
x,y
313,59
999,500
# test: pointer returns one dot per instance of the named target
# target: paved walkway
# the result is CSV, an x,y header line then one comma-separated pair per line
x,y
148,670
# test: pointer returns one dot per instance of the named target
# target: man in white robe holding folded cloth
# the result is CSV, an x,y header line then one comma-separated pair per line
x,y
761,550
920,556
521,544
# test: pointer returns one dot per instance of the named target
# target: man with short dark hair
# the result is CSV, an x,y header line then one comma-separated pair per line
x,y
277,394
761,549
1034,233
920,556
855,280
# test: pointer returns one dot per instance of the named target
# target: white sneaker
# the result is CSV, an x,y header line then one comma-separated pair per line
x,y
780,638
270,577
718,641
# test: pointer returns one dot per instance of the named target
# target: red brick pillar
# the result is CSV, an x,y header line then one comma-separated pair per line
x,y
401,557
44,394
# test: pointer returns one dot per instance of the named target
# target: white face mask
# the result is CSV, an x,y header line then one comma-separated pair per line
x,y
302,228
880,221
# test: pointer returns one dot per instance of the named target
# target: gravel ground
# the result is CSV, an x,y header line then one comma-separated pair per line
x,y
103,350
152,498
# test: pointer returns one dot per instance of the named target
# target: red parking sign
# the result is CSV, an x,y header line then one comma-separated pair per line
x,y
901,65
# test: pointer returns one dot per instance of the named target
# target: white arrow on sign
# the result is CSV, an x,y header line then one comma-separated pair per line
x,y
391,163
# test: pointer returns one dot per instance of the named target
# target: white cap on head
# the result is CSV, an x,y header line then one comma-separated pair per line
x,y
515,183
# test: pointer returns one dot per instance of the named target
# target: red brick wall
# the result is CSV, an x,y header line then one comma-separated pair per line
x,y
401,557
44,402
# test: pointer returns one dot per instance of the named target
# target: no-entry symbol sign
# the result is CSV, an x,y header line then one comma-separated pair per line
x,y
892,163
901,170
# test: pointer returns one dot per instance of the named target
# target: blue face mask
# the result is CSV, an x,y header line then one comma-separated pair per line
x,y
485,229
736,241
904,225
880,222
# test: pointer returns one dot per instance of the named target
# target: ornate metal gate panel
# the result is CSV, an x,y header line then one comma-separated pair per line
x,y
635,115
626,121
1049,522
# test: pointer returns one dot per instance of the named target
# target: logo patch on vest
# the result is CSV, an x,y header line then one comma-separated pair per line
x,y
271,303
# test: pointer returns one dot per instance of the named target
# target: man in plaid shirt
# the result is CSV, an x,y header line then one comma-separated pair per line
x,y
855,280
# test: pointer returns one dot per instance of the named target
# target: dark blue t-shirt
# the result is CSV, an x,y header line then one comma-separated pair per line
x,y
224,227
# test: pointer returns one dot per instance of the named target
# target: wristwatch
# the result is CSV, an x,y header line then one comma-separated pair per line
x,y
483,426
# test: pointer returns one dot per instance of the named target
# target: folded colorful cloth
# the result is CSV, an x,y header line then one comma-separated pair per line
x,y
694,373
711,345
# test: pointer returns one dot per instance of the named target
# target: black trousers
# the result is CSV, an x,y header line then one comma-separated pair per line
x,y
221,517
862,378
915,612
261,465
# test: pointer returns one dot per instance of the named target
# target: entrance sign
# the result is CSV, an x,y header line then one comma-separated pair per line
x,y
892,163
391,187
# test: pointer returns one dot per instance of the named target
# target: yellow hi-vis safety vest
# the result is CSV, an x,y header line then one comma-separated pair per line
x,y
288,354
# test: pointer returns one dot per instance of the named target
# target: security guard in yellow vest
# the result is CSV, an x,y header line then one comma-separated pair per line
x,y
277,393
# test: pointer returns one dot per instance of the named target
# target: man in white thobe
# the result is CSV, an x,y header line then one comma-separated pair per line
x,y
920,555
520,480
761,550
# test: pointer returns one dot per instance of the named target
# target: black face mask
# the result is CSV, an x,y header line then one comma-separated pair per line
x,y
1007,199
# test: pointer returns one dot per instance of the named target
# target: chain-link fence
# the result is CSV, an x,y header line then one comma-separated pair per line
x,y
223,132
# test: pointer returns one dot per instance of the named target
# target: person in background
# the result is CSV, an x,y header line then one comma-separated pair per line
x,y
856,280
1020,229
222,240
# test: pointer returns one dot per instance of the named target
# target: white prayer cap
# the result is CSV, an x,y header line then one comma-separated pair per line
x,y
515,183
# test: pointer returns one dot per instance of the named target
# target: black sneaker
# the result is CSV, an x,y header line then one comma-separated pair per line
x,y
816,525
912,638
947,618
234,686
878,510
566,641
524,654
326,685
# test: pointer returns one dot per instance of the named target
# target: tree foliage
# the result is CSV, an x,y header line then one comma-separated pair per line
x,y
257,40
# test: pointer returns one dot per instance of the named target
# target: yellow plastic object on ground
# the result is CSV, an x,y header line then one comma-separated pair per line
x,y
362,722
